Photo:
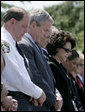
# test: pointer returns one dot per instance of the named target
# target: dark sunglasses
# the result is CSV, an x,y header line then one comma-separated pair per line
x,y
67,50
81,64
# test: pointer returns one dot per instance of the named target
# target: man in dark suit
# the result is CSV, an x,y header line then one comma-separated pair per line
x,y
38,30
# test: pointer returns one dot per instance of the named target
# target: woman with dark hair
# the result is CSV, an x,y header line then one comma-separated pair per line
x,y
60,48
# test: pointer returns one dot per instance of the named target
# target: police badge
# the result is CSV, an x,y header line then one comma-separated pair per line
x,y
5,47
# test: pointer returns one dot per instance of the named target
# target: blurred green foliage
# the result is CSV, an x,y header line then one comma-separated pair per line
x,y
69,16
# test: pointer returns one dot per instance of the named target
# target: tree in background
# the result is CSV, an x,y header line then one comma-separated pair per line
x,y
69,16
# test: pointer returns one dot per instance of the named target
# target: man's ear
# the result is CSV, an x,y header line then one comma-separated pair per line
x,y
34,24
12,21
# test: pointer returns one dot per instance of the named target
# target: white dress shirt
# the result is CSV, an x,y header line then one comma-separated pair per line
x,y
15,75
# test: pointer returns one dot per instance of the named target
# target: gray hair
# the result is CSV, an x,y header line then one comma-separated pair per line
x,y
40,16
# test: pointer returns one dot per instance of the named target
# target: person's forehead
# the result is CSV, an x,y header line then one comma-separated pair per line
x,y
74,60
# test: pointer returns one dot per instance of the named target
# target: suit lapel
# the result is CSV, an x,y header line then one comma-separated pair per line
x,y
42,58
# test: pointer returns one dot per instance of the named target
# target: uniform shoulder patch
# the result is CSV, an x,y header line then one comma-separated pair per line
x,y
5,47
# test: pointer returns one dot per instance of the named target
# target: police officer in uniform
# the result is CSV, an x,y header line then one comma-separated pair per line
x,y
15,75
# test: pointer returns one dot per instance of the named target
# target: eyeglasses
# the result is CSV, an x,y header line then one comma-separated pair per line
x,y
67,50
81,64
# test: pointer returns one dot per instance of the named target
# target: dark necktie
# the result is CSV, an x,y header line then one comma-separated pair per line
x,y
22,54
45,53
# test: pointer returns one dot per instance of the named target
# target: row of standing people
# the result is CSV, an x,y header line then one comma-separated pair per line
x,y
27,75
61,59
29,89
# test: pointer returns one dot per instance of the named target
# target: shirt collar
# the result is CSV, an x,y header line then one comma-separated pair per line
x,y
10,38
79,76
29,37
